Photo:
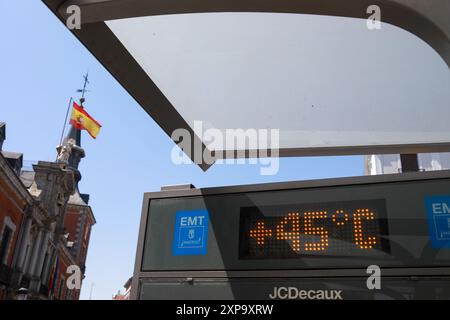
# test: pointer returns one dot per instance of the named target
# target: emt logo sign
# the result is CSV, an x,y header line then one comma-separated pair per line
x,y
190,235
438,210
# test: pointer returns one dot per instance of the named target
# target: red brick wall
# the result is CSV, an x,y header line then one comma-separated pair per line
x,y
63,264
11,206
66,294
72,218
71,221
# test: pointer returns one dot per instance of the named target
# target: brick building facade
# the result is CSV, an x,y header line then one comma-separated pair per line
x,y
14,203
45,223
126,294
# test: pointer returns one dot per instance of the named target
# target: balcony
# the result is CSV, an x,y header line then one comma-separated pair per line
x,y
5,274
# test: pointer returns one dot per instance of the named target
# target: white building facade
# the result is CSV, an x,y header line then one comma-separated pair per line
x,y
390,163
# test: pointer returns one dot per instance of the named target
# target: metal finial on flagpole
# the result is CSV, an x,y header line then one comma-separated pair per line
x,y
86,82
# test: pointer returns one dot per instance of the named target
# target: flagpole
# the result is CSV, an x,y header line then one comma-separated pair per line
x,y
65,121
82,99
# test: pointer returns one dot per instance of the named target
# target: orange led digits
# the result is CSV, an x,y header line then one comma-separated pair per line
x,y
312,230
292,219
354,228
358,217
260,233
339,217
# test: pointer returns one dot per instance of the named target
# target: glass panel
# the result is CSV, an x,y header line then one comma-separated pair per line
x,y
323,81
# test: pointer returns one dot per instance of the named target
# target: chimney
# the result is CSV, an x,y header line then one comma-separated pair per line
x,y
2,134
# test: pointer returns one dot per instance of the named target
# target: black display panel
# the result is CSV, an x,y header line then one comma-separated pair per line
x,y
401,226
348,228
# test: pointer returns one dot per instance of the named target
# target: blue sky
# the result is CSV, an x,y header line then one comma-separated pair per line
x,y
41,67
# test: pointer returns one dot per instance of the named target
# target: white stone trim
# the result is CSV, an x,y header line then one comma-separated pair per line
x,y
8,222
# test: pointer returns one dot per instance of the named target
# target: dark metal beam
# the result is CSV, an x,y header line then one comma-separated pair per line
x,y
427,19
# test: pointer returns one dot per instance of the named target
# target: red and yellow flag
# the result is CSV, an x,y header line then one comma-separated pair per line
x,y
81,120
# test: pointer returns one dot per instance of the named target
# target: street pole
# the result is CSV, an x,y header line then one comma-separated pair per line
x,y
409,162
92,289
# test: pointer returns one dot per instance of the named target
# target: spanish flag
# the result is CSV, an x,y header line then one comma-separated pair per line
x,y
81,120
53,277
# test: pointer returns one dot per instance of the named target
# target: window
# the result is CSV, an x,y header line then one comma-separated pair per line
x,y
4,244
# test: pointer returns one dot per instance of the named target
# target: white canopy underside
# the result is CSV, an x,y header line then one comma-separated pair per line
x,y
322,81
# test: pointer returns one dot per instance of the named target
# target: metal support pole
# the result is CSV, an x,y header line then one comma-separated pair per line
x,y
409,162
